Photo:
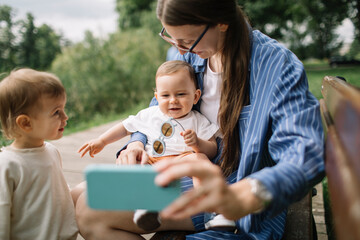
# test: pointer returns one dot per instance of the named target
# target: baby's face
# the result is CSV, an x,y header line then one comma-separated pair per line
x,y
176,94
49,120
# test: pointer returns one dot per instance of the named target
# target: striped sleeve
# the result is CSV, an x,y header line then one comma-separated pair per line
x,y
296,143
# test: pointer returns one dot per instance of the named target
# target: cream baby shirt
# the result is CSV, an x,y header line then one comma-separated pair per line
x,y
35,202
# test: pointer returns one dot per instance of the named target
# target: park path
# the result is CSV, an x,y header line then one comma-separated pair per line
x,y
73,166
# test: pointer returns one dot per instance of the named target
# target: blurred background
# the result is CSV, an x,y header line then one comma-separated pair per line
x,y
106,52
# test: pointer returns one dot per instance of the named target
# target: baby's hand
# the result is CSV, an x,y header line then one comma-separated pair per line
x,y
190,138
93,147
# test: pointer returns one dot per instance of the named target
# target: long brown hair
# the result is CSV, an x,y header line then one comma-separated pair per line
x,y
235,61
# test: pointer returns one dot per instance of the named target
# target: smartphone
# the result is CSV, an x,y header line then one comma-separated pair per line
x,y
127,187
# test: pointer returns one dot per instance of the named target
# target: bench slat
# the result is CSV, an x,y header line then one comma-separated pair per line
x,y
341,116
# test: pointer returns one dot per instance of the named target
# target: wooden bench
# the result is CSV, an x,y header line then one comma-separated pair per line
x,y
340,110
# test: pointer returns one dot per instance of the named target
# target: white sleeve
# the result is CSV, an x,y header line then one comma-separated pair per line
x,y
139,121
205,129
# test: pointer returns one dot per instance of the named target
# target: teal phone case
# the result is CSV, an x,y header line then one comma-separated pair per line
x,y
127,187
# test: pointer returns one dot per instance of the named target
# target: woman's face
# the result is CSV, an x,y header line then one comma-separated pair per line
x,y
186,35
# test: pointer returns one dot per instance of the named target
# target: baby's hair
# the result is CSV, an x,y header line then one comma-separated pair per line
x,y
20,91
171,67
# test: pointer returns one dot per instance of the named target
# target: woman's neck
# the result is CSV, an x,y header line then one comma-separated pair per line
x,y
215,63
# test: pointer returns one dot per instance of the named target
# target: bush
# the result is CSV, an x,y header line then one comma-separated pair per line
x,y
104,77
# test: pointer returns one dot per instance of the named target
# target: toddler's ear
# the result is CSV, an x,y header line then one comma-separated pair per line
x,y
155,94
24,123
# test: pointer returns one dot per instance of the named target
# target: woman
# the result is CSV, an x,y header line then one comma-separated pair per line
x,y
272,139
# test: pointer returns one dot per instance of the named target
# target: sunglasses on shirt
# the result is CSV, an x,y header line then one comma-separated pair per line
x,y
167,130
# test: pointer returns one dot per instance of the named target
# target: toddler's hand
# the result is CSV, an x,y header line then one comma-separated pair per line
x,y
190,138
93,147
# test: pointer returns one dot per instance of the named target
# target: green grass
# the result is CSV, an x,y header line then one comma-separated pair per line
x,y
316,73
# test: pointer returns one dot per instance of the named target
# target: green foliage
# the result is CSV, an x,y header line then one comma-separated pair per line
x,y
104,77
354,51
307,26
354,15
28,54
7,39
324,17
22,44
131,11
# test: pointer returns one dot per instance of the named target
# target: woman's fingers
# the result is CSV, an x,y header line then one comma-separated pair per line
x,y
207,197
144,158
186,205
193,165
132,156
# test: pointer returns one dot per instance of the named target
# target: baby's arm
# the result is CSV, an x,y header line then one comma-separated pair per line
x,y
208,147
94,146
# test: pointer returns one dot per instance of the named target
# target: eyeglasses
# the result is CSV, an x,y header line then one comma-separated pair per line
x,y
180,47
167,130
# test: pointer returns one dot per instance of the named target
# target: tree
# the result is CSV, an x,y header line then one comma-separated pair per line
x,y
22,44
7,39
324,17
48,45
130,12
304,24
354,15
28,54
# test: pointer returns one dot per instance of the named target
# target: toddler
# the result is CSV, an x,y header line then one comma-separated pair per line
x,y
35,201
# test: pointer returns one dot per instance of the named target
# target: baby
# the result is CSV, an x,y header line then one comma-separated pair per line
x,y
176,93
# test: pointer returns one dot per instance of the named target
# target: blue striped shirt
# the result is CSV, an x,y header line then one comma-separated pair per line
x,y
281,137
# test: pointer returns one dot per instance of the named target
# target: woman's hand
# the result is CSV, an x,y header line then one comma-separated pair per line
x,y
133,154
212,194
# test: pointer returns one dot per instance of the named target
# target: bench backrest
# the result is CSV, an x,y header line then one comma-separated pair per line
x,y
340,110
